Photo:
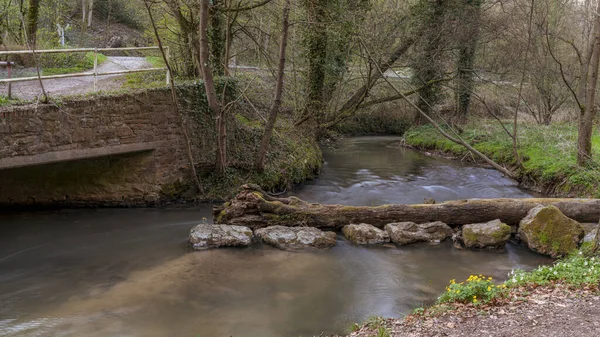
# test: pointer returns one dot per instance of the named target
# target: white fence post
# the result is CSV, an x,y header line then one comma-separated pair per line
x,y
95,68
167,58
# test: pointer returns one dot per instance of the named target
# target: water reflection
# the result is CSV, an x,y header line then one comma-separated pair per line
x,y
129,272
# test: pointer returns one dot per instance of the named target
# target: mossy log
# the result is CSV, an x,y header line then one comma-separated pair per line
x,y
254,208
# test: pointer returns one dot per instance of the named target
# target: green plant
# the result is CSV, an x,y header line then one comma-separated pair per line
x,y
577,270
383,332
476,289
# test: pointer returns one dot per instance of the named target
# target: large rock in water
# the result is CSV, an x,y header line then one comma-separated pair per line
x,y
404,233
205,236
365,234
547,231
492,234
296,237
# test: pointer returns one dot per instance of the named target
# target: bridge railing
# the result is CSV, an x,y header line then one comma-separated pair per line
x,y
94,72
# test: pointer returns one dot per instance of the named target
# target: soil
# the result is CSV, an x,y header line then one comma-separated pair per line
x,y
545,311
31,90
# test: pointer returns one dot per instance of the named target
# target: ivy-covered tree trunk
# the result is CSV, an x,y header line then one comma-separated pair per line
x,y
32,21
428,65
209,88
217,38
467,46
316,43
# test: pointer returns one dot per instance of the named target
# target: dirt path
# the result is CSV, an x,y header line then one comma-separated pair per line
x,y
79,85
544,313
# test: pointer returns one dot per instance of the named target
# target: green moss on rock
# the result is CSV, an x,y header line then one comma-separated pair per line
x,y
492,234
548,231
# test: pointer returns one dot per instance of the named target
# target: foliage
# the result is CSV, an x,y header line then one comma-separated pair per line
x,y
476,289
576,270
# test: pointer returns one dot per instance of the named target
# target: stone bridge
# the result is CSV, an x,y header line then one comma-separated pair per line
x,y
112,150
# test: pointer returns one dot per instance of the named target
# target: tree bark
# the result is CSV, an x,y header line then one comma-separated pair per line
x,y
264,144
32,21
90,13
317,58
217,38
209,87
429,61
466,58
254,208
588,110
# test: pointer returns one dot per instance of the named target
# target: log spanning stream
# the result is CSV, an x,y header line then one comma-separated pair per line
x,y
128,272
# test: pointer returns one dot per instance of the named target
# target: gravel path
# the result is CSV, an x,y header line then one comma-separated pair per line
x,y
78,85
543,312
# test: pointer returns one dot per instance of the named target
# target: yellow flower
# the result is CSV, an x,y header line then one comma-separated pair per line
x,y
474,300
489,288
474,297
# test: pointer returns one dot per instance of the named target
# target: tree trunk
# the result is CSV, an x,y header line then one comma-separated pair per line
x,y
217,42
264,144
228,43
90,13
588,110
466,58
32,21
209,87
429,62
83,13
317,58
254,208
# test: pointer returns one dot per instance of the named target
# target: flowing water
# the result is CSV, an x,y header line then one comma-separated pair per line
x,y
128,272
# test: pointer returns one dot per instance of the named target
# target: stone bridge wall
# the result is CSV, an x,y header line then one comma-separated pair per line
x,y
113,150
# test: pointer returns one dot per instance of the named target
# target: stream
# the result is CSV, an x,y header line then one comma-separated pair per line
x,y
128,272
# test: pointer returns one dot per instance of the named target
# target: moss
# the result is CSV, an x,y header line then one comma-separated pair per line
x,y
552,233
469,236
221,215
502,233
174,190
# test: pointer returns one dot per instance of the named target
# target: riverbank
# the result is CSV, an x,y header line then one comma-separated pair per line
x,y
549,154
560,300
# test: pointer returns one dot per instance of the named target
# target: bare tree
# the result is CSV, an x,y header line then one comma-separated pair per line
x,y
264,144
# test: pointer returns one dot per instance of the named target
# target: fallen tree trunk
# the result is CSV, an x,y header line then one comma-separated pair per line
x,y
254,208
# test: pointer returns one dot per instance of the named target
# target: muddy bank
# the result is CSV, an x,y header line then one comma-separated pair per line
x,y
543,311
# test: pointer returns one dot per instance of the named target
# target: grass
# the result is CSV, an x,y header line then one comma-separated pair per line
x,y
147,80
549,153
83,64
